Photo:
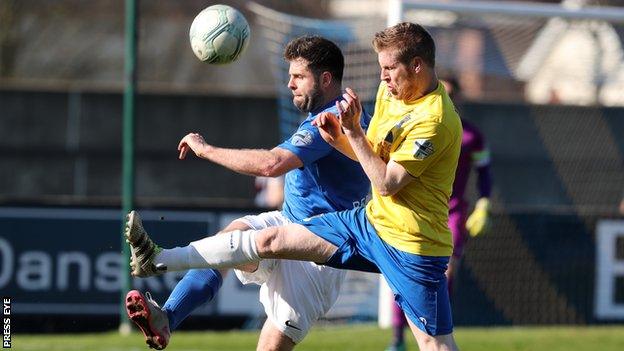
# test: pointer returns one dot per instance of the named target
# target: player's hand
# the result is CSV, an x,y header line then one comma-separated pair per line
x,y
350,110
478,221
192,141
329,127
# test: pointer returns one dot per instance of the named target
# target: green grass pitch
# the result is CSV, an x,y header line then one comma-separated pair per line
x,y
344,338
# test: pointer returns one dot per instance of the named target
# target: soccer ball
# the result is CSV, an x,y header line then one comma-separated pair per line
x,y
219,34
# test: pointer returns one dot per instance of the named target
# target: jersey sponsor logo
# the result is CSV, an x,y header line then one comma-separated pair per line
x,y
289,324
389,137
302,138
385,146
396,129
361,203
423,149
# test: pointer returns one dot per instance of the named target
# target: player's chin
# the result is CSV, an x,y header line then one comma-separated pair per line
x,y
300,103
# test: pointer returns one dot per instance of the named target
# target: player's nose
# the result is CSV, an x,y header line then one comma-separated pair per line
x,y
291,84
383,75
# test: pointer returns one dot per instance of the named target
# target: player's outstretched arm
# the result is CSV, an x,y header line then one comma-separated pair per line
x,y
255,162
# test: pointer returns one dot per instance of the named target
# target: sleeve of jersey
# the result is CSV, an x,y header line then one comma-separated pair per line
x,y
422,146
307,144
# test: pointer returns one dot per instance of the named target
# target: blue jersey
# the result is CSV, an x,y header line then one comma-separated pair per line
x,y
328,181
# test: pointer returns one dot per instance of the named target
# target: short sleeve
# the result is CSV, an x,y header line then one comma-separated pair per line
x,y
422,146
307,144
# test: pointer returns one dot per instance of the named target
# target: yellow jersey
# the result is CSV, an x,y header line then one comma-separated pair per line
x,y
424,136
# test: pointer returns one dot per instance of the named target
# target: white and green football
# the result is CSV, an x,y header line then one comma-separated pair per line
x,y
219,34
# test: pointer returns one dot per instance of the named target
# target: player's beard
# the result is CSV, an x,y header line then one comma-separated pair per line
x,y
310,101
408,87
404,87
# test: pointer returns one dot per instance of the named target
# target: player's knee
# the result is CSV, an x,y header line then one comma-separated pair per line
x,y
269,242
237,224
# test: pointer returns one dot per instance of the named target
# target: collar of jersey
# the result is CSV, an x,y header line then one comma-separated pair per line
x,y
327,106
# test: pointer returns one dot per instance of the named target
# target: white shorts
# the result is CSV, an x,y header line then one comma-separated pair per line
x,y
295,294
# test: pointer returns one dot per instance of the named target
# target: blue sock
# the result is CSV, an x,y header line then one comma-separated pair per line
x,y
196,288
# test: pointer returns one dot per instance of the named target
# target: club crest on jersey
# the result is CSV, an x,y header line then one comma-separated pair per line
x,y
302,138
422,149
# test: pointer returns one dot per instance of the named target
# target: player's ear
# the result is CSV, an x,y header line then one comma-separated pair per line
x,y
417,64
326,79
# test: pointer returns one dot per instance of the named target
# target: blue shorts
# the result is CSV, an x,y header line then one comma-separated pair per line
x,y
418,282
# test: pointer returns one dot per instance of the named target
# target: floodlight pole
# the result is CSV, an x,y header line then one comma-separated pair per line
x,y
128,149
